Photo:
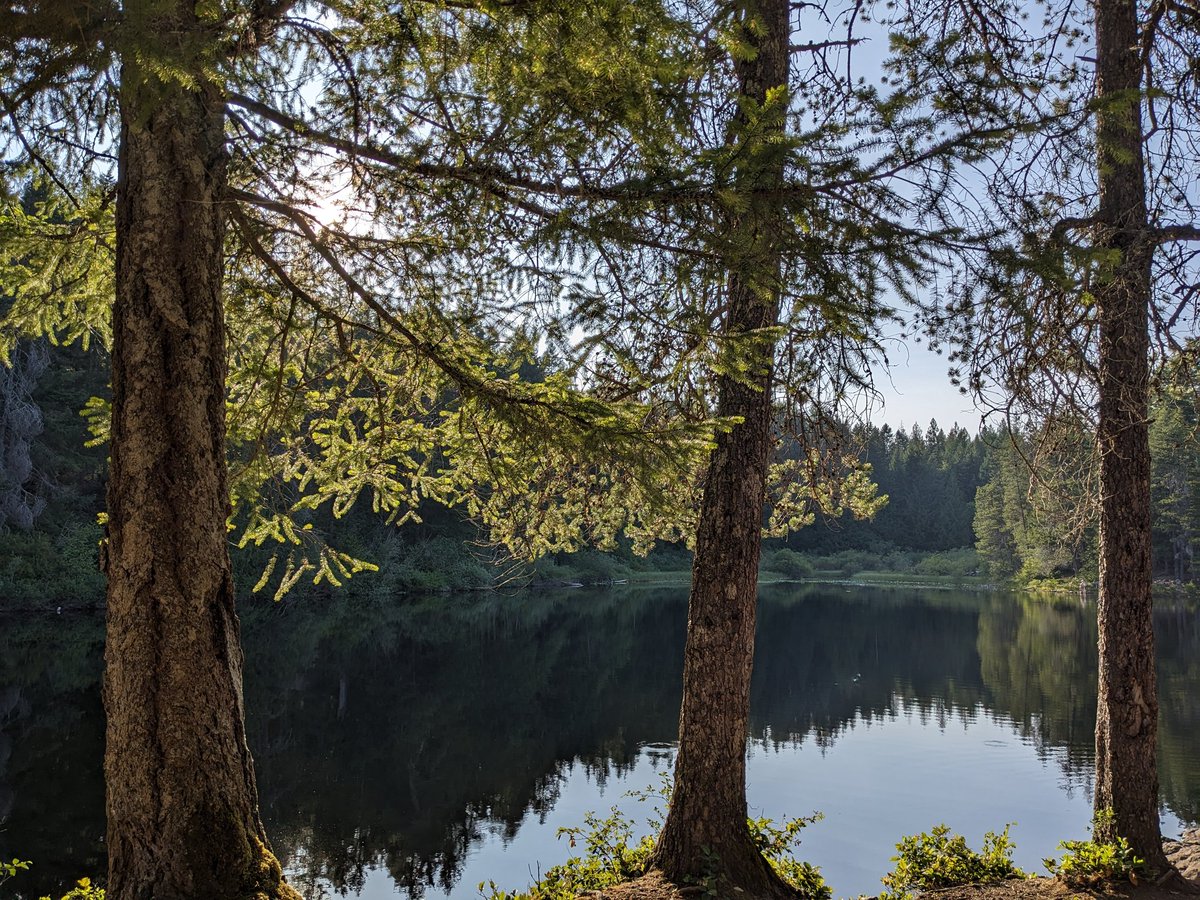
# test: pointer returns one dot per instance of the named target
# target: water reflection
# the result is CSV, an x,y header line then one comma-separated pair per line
x,y
401,738
399,734
51,748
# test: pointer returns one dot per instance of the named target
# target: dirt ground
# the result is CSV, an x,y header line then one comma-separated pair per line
x,y
1184,854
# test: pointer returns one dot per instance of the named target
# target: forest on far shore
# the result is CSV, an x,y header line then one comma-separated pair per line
x,y
990,505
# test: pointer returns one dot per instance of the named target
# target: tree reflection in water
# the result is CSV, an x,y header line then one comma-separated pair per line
x,y
395,736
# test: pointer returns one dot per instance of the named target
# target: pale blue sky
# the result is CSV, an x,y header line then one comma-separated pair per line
x,y
916,387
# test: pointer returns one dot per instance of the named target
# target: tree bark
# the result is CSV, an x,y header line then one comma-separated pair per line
x,y
1127,704
181,800
705,834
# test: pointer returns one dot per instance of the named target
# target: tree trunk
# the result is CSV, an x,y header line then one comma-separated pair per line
x,y
181,800
705,834
1127,704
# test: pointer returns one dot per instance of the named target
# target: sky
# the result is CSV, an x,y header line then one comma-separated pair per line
x,y
916,388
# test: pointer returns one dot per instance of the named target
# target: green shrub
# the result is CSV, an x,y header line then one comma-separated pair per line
x,y
940,859
899,560
432,564
788,563
1089,863
663,558
581,567
959,563
612,856
83,890
775,842
594,567
850,562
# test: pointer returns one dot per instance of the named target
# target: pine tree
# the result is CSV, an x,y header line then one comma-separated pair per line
x,y
20,423
1075,293
707,814
1175,481
181,798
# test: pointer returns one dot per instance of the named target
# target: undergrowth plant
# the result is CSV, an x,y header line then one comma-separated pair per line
x,y
776,842
83,890
939,859
612,855
9,869
1089,863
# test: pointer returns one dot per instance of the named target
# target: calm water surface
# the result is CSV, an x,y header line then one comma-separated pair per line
x,y
422,746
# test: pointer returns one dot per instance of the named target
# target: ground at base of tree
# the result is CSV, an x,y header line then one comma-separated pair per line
x,y
651,886
1056,889
1184,854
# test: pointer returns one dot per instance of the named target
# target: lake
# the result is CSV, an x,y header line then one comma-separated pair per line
x,y
421,746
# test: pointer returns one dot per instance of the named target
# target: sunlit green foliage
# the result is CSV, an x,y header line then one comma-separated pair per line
x,y
359,365
56,266
9,869
613,854
1091,863
83,890
776,843
939,859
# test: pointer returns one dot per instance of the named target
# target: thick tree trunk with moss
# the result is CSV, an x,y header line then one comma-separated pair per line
x,y
181,800
1127,710
705,833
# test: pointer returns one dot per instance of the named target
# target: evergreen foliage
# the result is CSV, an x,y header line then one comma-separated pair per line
x,y
1175,486
1035,514
456,236
1028,512
929,477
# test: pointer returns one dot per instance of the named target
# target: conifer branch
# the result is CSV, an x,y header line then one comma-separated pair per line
x,y
476,175
1071,223
494,390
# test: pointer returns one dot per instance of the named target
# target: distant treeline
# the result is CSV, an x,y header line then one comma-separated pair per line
x,y
51,484
1024,502
929,476
1035,515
